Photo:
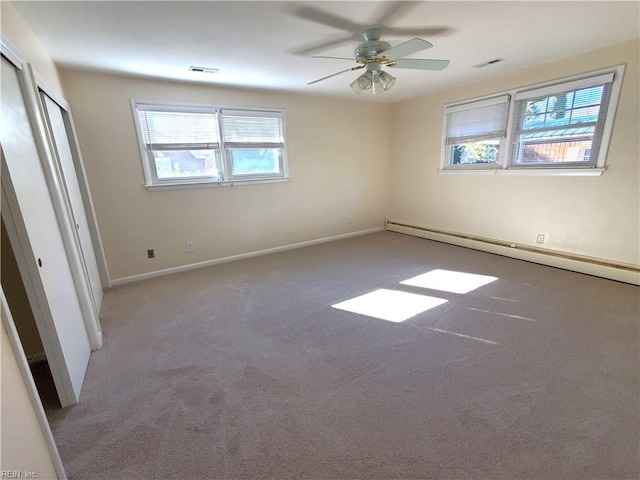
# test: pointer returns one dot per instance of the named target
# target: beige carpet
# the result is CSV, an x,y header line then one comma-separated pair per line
x,y
244,370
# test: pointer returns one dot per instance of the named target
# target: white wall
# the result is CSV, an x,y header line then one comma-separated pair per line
x,y
592,216
338,155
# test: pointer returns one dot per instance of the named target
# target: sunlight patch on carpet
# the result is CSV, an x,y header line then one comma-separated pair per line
x,y
390,305
449,281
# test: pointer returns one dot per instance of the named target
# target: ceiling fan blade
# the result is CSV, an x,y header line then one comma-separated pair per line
x,y
319,46
420,63
336,58
423,32
319,16
334,74
407,48
394,10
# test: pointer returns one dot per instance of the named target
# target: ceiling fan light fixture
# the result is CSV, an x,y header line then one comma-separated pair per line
x,y
378,88
380,81
355,85
365,80
387,80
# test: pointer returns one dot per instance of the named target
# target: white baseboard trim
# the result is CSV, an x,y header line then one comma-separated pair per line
x,y
242,256
577,263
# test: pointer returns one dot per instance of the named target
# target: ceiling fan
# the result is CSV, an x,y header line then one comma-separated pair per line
x,y
374,54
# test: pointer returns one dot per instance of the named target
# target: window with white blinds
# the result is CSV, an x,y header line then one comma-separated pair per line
x,y
561,125
475,131
254,143
564,124
194,144
481,120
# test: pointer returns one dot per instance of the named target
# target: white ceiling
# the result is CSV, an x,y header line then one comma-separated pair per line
x,y
259,44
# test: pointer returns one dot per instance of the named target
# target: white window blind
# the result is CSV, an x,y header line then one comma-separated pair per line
x,y
252,129
565,86
561,124
168,130
477,121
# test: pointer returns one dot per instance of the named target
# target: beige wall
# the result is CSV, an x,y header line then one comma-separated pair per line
x,y
593,216
23,443
338,160
16,31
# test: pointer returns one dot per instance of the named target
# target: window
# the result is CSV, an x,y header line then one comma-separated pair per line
x,y
254,143
184,145
558,125
475,131
562,127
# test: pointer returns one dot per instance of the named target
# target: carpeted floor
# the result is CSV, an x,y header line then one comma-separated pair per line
x,y
244,370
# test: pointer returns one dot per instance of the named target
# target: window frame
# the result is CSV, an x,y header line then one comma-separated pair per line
x,y
506,164
469,106
227,158
222,156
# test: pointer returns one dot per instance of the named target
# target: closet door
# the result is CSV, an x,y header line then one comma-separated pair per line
x,y
60,137
32,225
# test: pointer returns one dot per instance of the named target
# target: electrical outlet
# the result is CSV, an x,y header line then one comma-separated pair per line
x,y
350,219
540,238
191,247
151,253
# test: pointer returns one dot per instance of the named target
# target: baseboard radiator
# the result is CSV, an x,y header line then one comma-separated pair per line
x,y
621,272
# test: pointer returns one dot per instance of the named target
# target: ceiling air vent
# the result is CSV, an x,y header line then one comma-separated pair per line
x,y
490,62
203,69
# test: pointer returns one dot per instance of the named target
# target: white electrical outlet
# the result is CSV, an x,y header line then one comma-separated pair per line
x,y
191,247
350,219
540,238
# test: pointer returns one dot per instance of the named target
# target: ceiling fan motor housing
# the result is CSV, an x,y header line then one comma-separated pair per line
x,y
371,50
373,46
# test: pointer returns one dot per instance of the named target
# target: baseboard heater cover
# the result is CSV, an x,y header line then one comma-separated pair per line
x,y
578,263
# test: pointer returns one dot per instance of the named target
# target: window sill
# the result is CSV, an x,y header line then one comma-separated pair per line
x,y
227,183
527,172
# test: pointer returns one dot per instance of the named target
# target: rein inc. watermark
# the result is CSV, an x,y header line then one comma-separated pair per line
x,y
18,474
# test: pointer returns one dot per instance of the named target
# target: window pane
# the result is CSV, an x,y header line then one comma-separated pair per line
x,y
541,151
588,96
185,163
485,152
558,128
255,161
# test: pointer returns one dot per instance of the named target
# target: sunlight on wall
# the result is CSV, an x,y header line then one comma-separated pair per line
x,y
449,281
390,305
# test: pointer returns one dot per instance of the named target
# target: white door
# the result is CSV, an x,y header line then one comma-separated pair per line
x,y
35,235
67,167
